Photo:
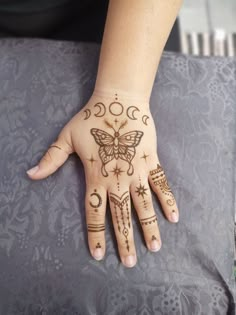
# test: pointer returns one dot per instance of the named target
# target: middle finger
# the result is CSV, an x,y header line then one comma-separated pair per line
x,y
122,222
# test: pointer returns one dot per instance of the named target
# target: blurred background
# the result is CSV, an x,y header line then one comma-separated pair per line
x,y
208,27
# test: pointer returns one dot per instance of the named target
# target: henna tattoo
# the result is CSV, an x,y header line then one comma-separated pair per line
x,y
91,160
55,146
117,171
118,186
98,245
130,112
116,98
101,109
117,146
144,119
141,190
149,220
154,238
120,203
99,199
96,227
144,156
87,113
116,108
159,179
145,204
116,121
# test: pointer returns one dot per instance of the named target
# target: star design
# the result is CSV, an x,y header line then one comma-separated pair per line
x,y
91,160
144,156
141,190
117,171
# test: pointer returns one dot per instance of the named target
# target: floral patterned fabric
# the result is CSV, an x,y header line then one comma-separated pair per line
x,y
45,265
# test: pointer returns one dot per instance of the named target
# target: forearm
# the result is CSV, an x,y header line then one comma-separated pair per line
x,y
134,37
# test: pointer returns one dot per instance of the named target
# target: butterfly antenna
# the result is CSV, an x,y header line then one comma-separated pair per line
x,y
109,125
124,123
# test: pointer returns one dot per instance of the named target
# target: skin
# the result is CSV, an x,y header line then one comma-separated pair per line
x,y
134,37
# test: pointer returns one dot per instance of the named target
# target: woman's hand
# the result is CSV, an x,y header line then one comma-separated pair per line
x,y
116,141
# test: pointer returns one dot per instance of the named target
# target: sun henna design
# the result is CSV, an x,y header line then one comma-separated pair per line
x,y
122,203
96,228
117,171
141,190
159,179
149,220
116,146
98,199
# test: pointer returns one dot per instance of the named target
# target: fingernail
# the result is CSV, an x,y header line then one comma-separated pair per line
x,y
33,170
174,217
98,253
129,261
155,246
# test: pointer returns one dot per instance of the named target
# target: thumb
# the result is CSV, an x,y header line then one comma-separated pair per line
x,y
56,155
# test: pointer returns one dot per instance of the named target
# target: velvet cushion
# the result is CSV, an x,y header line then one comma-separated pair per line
x,y
45,264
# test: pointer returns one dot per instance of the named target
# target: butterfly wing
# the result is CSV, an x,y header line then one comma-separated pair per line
x,y
130,139
102,138
126,147
106,149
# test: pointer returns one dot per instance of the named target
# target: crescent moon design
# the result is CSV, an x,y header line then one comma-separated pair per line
x,y
101,110
87,113
130,112
144,119
99,200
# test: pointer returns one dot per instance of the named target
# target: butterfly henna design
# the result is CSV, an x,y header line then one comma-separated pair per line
x,y
116,146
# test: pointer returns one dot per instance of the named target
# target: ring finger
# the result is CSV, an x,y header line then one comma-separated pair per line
x,y
142,199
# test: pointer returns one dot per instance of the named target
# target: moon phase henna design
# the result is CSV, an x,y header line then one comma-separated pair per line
x,y
144,119
87,113
130,112
96,227
116,146
122,203
149,220
101,109
141,190
116,108
159,179
99,200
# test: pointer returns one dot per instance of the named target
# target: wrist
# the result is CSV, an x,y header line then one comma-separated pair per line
x,y
117,95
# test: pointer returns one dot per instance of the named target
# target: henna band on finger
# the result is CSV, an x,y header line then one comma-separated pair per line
x,y
159,179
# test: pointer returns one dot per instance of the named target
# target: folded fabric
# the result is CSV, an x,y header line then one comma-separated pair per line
x,y
45,264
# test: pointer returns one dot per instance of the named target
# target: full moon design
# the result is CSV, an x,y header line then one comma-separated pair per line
x,y
99,200
116,108
87,114
130,112
144,119
101,110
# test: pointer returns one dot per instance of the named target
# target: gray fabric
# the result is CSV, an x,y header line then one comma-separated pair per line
x,y
45,265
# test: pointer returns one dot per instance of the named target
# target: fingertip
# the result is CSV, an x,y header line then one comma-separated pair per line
x,y
32,171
